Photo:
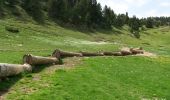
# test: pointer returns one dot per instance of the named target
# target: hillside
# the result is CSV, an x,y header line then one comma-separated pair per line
x,y
98,78
33,38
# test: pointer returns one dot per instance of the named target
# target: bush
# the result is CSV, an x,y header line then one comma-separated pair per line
x,y
136,34
12,29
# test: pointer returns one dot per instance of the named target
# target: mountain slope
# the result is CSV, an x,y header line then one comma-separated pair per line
x,y
95,78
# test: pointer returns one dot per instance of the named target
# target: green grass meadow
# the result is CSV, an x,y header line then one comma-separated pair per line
x,y
96,78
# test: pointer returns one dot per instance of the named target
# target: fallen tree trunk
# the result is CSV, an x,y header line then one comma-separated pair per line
x,y
38,60
108,53
62,54
88,54
112,53
126,52
13,69
137,51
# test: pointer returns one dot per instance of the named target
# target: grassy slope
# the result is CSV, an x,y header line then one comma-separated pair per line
x,y
96,78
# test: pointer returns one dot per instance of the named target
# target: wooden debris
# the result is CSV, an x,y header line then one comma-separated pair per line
x,y
88,54
137,50
112,53
13,69
117,53
62,54
108,53
126,52
38,60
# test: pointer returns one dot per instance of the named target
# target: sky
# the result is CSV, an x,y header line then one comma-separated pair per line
x,y
140,8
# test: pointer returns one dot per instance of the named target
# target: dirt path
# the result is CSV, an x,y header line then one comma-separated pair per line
x,y
68,64
147,54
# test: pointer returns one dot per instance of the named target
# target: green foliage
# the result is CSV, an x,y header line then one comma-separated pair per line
x,y
79,13
1,8
109,17
149,23
58,9
12,29
134,24
35,9
120,20
94,14
13,2
157,23
127,18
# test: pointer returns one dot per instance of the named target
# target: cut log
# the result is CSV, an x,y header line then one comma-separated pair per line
x,y
108,53
13,69
88,54
62,54
137,51
112,53
117,53
38,60
126,52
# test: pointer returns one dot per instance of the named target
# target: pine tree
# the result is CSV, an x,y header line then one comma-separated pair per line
x,y
35,9
109,17
1,8
134,24
149,23
127,18
120,20
70,9
79,13
57,9
1,4
13,2
95,13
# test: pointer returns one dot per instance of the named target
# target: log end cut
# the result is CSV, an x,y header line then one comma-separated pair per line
x,y
27,59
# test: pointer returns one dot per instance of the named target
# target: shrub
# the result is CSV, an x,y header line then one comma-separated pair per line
x,y
12,29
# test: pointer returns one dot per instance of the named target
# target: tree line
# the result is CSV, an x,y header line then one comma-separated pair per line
x,y
87,13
